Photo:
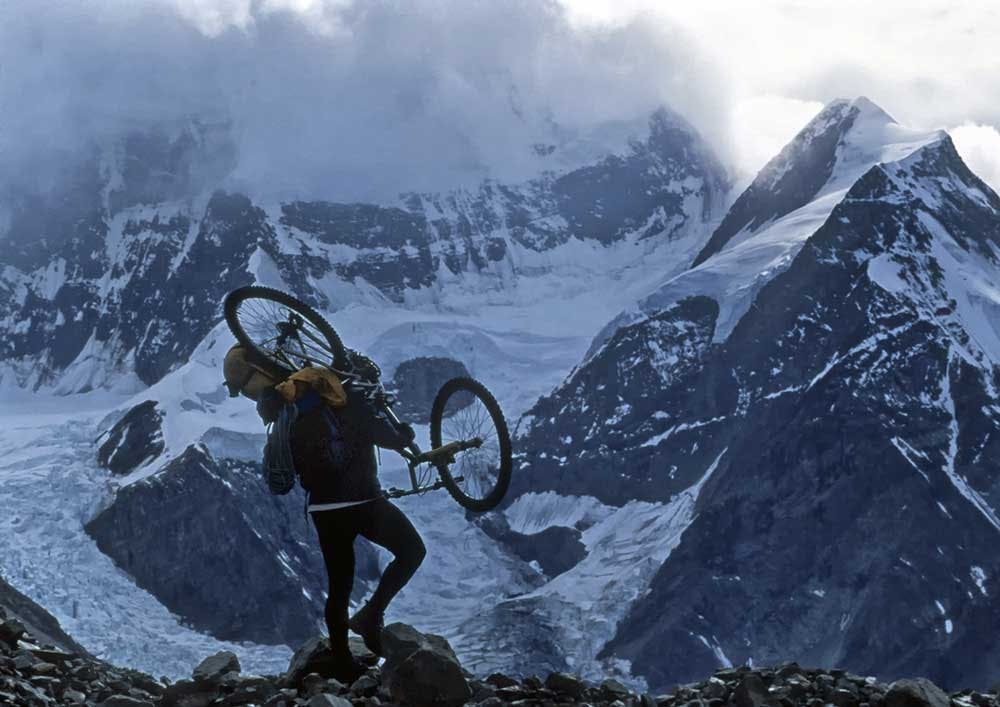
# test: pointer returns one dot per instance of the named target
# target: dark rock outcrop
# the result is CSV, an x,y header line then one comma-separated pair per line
x,y
793,177
421,670
580,438
416,382
136,439
19,615
851,420
209,541
555,549
121,268
845,435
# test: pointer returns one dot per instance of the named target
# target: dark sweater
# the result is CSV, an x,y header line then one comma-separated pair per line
x,y
335,470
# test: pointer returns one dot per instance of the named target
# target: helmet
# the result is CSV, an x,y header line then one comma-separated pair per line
x,y
243,376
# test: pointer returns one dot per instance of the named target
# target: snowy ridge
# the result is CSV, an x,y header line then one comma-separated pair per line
x,y
844,353
520,349
758,252
135,280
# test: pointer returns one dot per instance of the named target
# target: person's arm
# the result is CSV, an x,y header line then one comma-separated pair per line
x,y
269,404
376,427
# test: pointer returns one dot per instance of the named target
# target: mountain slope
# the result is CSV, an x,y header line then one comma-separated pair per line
x,y
850,419
509,281
115,279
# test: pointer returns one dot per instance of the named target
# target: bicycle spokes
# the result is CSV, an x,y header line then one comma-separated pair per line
x,y
283,334
475,469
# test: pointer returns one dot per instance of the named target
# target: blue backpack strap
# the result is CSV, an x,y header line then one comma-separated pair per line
x,y
308,402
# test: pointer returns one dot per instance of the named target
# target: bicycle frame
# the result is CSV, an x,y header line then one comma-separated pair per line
x,y
445,454
376,393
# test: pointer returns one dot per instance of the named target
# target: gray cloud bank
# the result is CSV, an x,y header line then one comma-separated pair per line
x,y
355,100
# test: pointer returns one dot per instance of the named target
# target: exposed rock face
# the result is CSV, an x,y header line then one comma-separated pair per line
x,y
555,549
102,274
577,440
209,541
421,669
842,411
134,440
845,434
20,615
417,381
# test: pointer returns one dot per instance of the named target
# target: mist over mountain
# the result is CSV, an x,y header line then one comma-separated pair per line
x,y
751,424
345,101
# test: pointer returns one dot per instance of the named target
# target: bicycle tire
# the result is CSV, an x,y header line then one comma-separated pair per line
x,y
334,355
479,391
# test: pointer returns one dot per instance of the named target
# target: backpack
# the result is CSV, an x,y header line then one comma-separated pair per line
x,y
278,463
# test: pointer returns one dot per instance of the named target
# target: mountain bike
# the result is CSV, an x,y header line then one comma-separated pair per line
x,y
471,449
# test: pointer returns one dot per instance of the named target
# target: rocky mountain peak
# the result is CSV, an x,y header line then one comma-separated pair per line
x,y
835,148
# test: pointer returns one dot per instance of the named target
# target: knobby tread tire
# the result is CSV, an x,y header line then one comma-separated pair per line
x,y
241,294
493,499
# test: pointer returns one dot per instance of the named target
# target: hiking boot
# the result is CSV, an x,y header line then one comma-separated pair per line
x,y
347,668
368,623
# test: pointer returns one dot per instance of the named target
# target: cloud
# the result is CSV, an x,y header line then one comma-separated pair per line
x,y
929,64
352,99
343,100
979,146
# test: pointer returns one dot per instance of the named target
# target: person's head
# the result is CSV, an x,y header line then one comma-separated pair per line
x,y
243,376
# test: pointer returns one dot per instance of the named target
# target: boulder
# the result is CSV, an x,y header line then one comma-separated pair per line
x,y
751,692
251,690
74,696
124,701
328,700
11,631
314,656
422,669
613,689
565,684
187,693
215,666
916,693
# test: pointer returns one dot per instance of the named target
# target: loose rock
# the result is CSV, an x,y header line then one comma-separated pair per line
x,y
213,668
916,693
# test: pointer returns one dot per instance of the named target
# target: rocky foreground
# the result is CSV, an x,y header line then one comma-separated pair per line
x,y
421,669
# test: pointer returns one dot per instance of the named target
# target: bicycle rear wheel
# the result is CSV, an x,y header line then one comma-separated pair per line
x,y
464,410
280,332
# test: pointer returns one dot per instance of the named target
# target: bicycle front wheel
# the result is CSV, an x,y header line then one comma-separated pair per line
x,y
465,410
281,332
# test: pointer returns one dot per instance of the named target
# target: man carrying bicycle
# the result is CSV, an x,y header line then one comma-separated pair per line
x,y
333,439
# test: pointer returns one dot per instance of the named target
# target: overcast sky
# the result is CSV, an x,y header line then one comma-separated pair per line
x,y
345,100
929,63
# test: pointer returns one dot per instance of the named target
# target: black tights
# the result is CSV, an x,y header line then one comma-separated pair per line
x,y
383,524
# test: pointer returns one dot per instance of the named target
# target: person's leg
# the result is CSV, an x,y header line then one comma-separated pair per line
x,y
387,526
336,541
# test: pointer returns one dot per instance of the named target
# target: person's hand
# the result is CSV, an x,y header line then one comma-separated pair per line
x,y
269,404
407,432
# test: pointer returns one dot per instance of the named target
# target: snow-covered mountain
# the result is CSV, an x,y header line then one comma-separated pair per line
x,y
824,384
112,292
786,451
114,279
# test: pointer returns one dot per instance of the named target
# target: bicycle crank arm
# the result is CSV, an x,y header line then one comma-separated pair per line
x,y
399,493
